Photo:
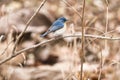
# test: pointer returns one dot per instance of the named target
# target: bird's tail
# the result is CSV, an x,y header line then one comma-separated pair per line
x,y
43,35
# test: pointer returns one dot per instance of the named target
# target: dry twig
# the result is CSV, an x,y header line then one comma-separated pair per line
x,y
83,40
102,59
72,8
53,39
27,24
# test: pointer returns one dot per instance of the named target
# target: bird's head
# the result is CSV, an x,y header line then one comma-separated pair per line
x,y
63,19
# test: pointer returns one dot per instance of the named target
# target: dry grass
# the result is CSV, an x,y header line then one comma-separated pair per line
x,y
92,35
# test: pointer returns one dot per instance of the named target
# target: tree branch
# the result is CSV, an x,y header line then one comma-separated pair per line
x,y
27,24
53,39
81,54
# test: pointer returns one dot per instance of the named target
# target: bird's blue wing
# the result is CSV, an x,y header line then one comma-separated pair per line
x,y
56,25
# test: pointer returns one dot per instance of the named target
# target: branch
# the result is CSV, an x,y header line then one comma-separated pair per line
x,y
72,8
6,47
81,54
27,24
53,39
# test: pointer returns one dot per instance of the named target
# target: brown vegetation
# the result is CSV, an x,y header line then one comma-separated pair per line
x,y
24,55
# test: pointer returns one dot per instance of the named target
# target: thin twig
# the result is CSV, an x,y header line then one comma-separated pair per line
x,y
6,47
101,62
53,39
72,8
27,24
83,40
102,59
100,35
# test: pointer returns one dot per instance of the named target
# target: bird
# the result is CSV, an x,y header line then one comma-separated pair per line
x,y
58,27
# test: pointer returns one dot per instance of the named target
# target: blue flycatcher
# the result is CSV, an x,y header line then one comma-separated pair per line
x,y
58,27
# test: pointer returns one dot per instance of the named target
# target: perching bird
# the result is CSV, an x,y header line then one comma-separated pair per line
x,y
58,27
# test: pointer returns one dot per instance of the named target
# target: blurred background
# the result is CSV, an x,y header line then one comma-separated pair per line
x,y
59,60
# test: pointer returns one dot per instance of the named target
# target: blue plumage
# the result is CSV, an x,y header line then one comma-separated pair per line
x,y
58,24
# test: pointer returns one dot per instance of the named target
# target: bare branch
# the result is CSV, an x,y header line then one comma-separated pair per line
x,y
6,47
72,8
53,39
81,54
27,24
